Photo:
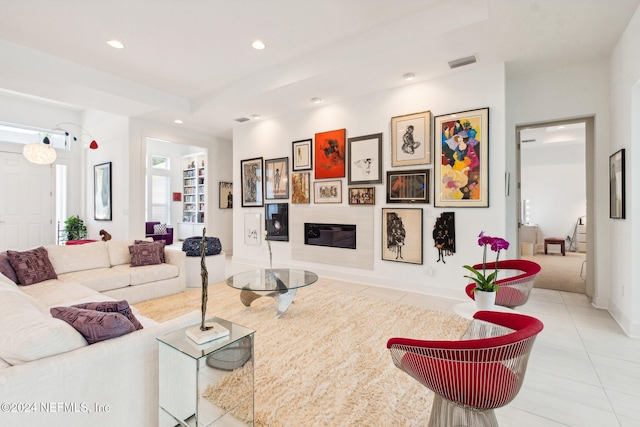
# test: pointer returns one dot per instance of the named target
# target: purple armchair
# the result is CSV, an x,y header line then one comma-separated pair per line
x,y
167,237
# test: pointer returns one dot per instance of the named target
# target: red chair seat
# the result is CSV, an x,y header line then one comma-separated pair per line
x,y
486,385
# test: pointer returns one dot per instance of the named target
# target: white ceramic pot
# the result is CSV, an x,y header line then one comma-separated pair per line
x,y
484,300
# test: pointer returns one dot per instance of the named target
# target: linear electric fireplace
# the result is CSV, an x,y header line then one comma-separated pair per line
x,y
332,235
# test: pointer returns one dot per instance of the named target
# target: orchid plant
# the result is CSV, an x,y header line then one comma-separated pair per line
x,y
484,282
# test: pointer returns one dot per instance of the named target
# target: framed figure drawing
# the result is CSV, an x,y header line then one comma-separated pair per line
x,y
251,177
411,139
300,187
365,159
301,155
327,191
226,195
277,178
252,229
461,177
411,186
330,154
616,185
102,192
276,221
402,235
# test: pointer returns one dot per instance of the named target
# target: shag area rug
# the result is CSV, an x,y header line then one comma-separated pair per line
x,y
325,361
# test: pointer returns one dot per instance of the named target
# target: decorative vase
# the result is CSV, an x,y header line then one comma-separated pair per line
x,y
484,300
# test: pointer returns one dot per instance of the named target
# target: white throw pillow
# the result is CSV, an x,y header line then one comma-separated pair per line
x,y
160,229
27,334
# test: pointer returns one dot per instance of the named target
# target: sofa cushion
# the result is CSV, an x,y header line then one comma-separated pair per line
x,y
53,293
66,259
6,268
95,326
147,254
121,307
160,244
100,279
149,273
27,334
32,266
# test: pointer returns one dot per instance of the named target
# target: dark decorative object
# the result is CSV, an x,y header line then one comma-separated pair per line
x,y
444,235
105,235
102,192
192,246
616,185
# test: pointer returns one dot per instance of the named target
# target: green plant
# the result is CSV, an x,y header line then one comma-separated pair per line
x,y
484,282
75,228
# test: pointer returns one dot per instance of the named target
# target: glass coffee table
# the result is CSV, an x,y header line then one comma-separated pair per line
x,y
278,283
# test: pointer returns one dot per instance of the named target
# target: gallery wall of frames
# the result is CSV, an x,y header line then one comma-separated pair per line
x,y
440,160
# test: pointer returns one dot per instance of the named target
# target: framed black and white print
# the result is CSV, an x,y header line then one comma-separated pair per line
x,y
251,177
365,159
276,221
402,235
225,195
616,185
102,192
276,178
327,191
302,155
410,186
362,196
411,139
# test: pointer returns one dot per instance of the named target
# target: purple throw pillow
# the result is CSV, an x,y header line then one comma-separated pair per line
x,y
6,268
95,326
32,266
121,307
144,255
159,244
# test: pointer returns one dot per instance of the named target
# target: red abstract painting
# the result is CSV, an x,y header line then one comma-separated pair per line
x,y
330,154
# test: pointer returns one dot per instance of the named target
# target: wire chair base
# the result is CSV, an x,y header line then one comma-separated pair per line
x,y
445,413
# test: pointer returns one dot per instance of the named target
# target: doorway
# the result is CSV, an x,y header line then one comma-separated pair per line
x,y
554,199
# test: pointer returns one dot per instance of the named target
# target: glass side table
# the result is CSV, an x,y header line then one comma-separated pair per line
x,y
210,384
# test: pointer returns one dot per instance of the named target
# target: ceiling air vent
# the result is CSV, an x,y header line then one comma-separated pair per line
x,y
462,62
241,119
524,141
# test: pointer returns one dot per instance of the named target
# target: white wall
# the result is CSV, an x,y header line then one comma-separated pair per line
x,y
475,87
553,180
622,237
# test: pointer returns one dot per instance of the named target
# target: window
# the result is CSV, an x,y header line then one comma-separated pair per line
x,y
160,162
160,209
19,134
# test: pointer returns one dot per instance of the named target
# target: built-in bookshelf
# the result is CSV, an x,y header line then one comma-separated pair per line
x,y
193,195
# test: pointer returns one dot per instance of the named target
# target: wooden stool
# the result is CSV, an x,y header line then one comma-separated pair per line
x,y
554,241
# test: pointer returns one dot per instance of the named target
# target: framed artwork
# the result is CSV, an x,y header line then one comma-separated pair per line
x,y
616,185
411,186
102,210
444,235
330,154
365,159
252,229
362,196
402,235
251,180
226,195
177,197
327,191
302,155
276,221
300,187
277,178
461,175
411,139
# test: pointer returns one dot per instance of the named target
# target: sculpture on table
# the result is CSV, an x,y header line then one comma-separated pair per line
x,y
204,274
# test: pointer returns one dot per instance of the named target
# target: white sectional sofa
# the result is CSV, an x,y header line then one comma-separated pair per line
x,y
50,375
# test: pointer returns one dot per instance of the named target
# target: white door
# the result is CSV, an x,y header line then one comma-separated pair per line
x,y
26,203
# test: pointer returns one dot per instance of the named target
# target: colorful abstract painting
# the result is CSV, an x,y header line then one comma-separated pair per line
x,y
330,154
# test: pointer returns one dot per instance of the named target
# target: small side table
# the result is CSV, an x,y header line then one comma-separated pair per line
x,y
554,241
187,369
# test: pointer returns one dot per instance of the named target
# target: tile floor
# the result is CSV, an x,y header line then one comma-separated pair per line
x,y
583,370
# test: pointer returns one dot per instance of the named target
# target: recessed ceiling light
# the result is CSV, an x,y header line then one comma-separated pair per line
x,y
258,45
115,44
256,116
316,100
178,121
409,76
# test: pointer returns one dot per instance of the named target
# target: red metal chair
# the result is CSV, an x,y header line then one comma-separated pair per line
x,y
514,290
473,376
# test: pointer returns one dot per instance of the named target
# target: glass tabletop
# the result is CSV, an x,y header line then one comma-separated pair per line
x,y
272,279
